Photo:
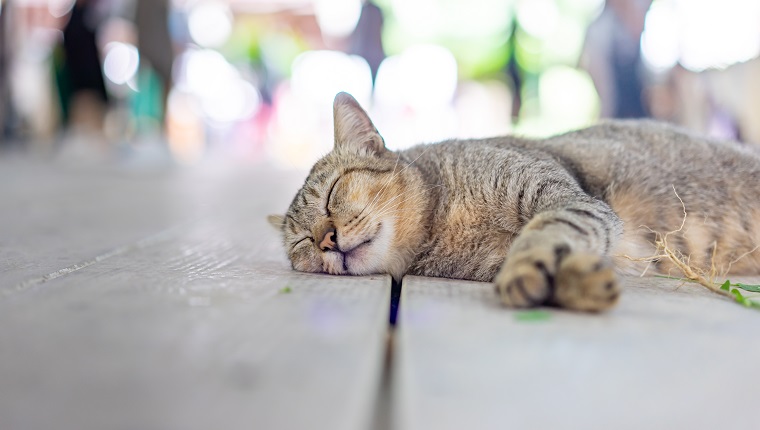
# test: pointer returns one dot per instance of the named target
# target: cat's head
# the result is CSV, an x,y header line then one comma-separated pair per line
x,y
361,210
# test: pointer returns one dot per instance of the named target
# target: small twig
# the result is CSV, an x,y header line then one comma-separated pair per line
x,y
740,257
694,275
713,270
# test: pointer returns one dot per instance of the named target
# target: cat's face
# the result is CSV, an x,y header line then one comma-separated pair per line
x,y
358,211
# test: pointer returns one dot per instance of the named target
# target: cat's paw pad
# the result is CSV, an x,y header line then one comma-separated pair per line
x,y
587,283
527,279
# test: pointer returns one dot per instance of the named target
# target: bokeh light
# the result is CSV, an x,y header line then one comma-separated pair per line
x,y
185,133
224,96
121,62
538,18
659,42
318,75
210,23
567,98
421,76
59,8
716,34
701,34
337,18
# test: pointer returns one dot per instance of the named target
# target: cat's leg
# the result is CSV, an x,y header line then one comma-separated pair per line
x,y
561,255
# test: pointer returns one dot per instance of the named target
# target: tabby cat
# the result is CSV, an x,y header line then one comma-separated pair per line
x,y
547,221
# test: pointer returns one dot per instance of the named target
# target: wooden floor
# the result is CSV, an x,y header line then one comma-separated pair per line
x,y
135,298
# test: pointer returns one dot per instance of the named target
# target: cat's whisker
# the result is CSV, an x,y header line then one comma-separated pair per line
x,y
382,211
415,160
377,194
400,195
389,202
394,174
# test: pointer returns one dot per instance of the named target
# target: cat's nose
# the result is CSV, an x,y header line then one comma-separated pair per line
x,y
329,240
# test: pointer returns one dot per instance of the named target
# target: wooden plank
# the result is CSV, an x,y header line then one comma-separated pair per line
x,y
204,326
667,357
201,331
55,216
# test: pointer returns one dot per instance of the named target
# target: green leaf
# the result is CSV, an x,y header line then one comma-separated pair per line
x,y
533,316
726,286
748,287
738,295
286,290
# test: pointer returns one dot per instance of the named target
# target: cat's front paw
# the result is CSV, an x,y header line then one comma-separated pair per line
x,y
586,283
527,279
546,275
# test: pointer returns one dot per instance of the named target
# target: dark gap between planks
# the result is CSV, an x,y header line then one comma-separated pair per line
x,y
382,418
395,300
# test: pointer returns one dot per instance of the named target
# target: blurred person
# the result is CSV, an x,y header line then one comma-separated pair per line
x,y
367,38
612,56
155,45
4,60
85,96
514,72
6,107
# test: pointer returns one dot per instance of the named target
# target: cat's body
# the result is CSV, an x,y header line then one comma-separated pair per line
x,y
543,219
639,168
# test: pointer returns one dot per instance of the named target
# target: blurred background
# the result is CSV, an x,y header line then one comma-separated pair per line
x,y
181,81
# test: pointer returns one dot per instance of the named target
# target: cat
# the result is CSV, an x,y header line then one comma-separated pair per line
x,y
548,221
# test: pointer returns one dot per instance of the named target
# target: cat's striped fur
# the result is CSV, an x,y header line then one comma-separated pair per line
x,y
546,220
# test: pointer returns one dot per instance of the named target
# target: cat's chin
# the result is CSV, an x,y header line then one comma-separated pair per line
x,y
368,257
355,262
373,256
358,256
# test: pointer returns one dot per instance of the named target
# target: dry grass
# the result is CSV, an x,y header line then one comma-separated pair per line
x,y
704,277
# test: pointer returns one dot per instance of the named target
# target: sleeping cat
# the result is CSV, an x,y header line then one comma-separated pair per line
x,y
547,221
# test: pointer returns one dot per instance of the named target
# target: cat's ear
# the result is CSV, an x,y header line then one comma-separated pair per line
x,y
354,130
276,221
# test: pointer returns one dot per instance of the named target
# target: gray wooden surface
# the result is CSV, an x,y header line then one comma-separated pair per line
x,y
666,358
172,306
53,217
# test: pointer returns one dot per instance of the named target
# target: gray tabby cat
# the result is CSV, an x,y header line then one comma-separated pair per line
x,y
547,221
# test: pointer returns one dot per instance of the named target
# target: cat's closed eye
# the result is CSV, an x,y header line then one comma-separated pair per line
x,y
302,241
